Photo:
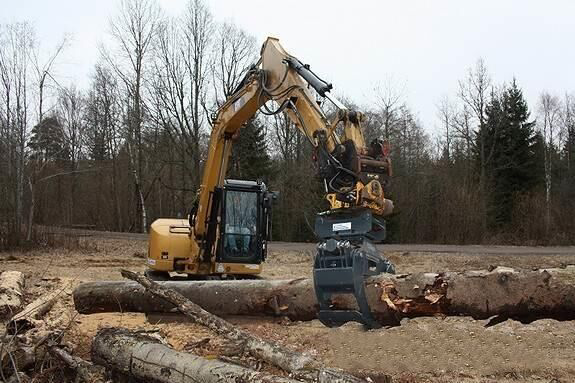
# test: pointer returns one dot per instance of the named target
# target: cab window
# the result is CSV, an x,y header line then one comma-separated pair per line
x,y
240,222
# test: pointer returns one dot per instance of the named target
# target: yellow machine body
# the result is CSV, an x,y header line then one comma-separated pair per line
x,y
171,249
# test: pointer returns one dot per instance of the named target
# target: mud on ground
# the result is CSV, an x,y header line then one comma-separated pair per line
x,y
454,349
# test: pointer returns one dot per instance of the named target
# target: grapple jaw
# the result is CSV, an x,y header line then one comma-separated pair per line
x,y
344,259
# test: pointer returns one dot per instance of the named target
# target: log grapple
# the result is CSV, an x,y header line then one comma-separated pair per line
x,y
346,256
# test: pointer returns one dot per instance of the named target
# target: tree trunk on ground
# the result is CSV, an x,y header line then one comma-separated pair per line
x,y
146,358
522,295
11,290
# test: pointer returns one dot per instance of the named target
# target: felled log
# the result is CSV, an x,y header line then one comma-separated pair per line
x,y
33,312
257,297
522,295
146,358
267,351
11,291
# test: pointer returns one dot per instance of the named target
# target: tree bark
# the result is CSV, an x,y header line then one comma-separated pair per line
x,y
522,295
11,290
144,357
217,297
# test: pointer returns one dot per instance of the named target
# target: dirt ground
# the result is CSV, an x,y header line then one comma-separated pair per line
x,y
453,349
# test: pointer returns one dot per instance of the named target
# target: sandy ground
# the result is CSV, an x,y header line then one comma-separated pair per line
x,y
454,349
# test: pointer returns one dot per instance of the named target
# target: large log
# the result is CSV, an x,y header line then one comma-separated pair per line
x,y
11,290
522,295
269,352
241,297
145,358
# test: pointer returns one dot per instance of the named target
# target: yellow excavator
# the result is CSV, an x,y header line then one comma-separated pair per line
x,y
228,227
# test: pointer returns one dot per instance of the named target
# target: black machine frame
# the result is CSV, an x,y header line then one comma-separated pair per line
x,y
345,257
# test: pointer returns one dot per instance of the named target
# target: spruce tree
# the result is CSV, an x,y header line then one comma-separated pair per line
x,y
250,159
514,152
47,140
523,170
569,152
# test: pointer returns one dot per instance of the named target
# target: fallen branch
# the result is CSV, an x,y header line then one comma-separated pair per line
x,y
85,371
269,352
143,357
11,291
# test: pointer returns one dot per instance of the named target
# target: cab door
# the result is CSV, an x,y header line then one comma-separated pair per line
x,y
240,239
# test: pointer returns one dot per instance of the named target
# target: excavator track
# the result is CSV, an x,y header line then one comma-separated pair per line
x,y
163,276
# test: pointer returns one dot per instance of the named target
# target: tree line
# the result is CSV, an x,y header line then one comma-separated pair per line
x,y
130,147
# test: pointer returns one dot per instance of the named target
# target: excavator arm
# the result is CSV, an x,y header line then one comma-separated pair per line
x,y
352,173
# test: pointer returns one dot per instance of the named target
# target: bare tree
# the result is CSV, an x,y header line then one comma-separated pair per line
x,y
70,109
197,33
7,143
550,111
17,43
102,117
43,73
133,31
180,91
389,99
284,137
234,53
446,115
474,92
462,125
172,91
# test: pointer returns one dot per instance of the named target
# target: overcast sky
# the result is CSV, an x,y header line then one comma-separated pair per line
x,y
426,44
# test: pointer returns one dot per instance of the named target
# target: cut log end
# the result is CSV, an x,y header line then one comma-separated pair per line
x,y
11,292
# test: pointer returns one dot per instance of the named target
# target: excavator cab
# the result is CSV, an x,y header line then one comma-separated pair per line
x,y
239,227
245,222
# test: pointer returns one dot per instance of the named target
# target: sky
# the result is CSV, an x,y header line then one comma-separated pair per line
x,y
423,46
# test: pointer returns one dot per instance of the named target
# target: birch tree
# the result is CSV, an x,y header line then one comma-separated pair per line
x,y
133,31
550,111
17,41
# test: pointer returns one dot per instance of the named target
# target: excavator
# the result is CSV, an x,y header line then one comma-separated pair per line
x,y
227,230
